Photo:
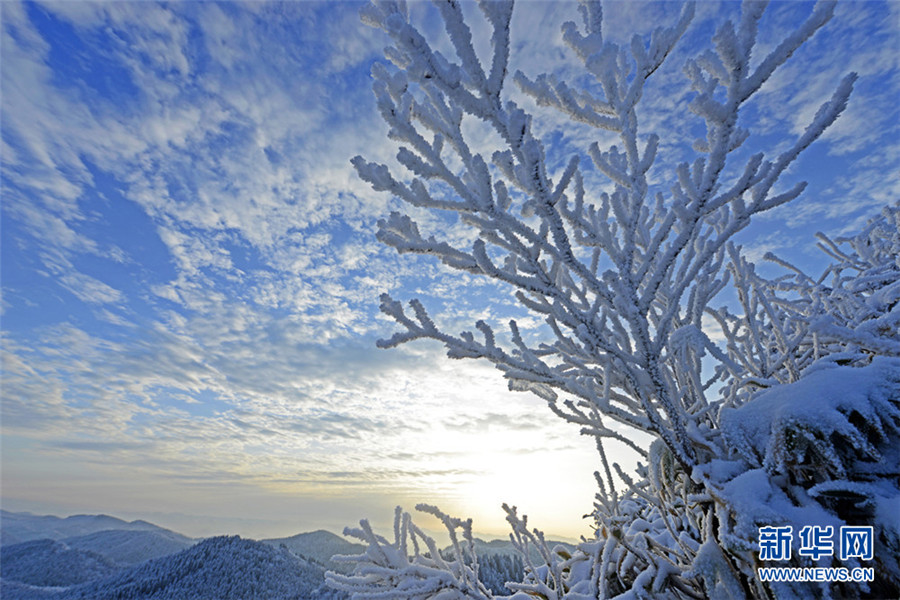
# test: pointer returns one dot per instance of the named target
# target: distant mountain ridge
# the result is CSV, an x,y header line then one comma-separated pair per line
x,y
17,527
126,547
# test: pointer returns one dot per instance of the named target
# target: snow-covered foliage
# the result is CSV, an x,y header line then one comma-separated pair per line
x,y
792,419
412,566
50,563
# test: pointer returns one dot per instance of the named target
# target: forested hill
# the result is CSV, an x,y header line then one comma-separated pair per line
x,y
219,568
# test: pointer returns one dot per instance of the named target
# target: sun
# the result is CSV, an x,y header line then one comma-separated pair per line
x,y
552,484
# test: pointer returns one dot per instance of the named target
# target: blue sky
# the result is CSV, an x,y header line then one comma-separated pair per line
x,y
190,276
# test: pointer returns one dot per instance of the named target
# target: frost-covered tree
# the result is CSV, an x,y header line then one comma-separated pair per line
x,y
794,419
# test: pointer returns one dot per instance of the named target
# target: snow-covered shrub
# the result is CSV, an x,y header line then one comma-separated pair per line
x,y
624,276
413,566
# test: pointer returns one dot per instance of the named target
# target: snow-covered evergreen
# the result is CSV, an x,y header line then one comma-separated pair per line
x,y
50,563
794,419
499,569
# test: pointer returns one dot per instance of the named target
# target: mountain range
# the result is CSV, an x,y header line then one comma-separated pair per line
x,y
16,527
100,557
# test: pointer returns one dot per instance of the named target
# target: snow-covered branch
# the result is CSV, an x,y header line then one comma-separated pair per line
x,y
412,566
626,277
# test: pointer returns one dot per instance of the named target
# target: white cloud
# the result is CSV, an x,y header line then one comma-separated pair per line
x,y
91,290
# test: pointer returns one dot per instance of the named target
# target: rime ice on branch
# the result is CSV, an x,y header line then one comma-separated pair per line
x,y
625,281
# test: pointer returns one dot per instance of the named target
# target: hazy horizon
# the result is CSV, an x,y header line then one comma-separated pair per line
x,y
202,526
